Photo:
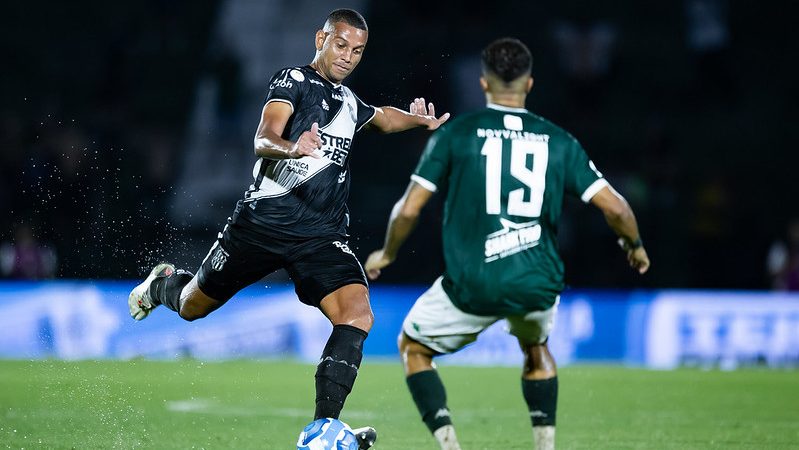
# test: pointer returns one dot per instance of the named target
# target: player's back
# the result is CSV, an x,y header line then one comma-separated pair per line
x,y
507,170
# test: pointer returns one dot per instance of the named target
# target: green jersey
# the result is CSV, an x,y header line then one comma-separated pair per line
x,y
507,170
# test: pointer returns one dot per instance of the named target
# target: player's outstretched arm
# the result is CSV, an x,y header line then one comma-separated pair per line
x,y
401,223
391,120
621,219
269,144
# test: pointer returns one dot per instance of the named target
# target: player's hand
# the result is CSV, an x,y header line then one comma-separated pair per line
x,y
308,143
375,262
428,113
638,260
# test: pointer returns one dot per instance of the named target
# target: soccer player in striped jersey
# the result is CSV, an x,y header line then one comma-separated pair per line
x,y
294,214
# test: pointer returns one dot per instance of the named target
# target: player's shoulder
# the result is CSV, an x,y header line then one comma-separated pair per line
x,y
549,127
295,75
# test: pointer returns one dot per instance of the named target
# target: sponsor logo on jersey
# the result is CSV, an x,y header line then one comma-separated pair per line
x,y
325,106
336,148
297,166
297,75
511,239
219,259
283,82
512,134
344,247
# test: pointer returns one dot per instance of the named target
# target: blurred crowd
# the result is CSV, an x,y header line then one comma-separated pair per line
x,y
682,105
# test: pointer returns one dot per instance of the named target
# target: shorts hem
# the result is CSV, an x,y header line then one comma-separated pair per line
x,y
317,300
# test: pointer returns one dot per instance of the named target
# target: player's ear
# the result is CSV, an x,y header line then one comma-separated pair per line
x,y
529,84
319,39
483,84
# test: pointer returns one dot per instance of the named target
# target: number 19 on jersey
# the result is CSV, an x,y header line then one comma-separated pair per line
x,y
534,179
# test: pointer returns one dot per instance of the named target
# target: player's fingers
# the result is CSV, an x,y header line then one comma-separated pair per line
x,y
311,139
373,274
431,110
443,118
315,128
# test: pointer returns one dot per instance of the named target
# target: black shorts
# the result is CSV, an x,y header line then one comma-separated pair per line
x,y
317,266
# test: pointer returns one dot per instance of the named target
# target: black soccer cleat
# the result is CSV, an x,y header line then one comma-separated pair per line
x,y
366,437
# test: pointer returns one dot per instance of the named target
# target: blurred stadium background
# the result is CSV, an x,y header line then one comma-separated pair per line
x,y
125,140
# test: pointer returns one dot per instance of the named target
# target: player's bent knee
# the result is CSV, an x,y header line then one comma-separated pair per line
x,y
360,316
192,315
197,306
539,363
349,305
408,346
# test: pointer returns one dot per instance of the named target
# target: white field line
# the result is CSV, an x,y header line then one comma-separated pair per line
x,y
209,406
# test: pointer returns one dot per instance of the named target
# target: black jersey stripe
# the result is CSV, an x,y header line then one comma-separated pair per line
x,y
261,174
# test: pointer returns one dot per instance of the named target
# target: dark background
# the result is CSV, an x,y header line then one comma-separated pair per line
x,y
109,165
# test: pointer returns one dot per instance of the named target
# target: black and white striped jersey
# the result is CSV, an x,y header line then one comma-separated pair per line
x,y
307,196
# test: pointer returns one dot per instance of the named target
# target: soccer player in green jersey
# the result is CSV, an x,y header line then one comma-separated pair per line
x,y
507,171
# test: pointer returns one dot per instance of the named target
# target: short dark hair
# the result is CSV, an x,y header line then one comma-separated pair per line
x,y
349,16
507,58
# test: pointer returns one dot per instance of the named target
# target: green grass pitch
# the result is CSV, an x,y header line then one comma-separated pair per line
x,y
264,405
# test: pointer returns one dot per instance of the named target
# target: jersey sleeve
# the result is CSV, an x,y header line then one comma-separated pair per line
x,y
286,86
434,165
582,177
366,113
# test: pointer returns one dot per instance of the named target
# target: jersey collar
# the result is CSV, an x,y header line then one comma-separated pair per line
x,y
505,108
334,85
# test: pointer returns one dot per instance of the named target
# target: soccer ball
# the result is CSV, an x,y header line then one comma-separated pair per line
x,y
327,434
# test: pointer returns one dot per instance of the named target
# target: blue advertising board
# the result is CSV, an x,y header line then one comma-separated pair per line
x,y
656,329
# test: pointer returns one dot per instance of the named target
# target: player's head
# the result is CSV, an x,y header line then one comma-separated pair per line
x,y
507,66
340,44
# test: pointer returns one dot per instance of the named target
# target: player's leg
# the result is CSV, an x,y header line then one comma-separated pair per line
x,y
539,375
230,265
349,311
427,391
326,274
435,326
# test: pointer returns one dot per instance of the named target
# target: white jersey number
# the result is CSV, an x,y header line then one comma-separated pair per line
x,y
534,179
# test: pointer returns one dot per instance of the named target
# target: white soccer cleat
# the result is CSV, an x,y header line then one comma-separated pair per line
x,y
366,437
139,300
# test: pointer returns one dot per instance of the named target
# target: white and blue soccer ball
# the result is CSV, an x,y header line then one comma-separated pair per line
x,y
327,434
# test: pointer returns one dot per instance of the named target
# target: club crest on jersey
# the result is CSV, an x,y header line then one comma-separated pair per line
x,y
219,259
511,239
